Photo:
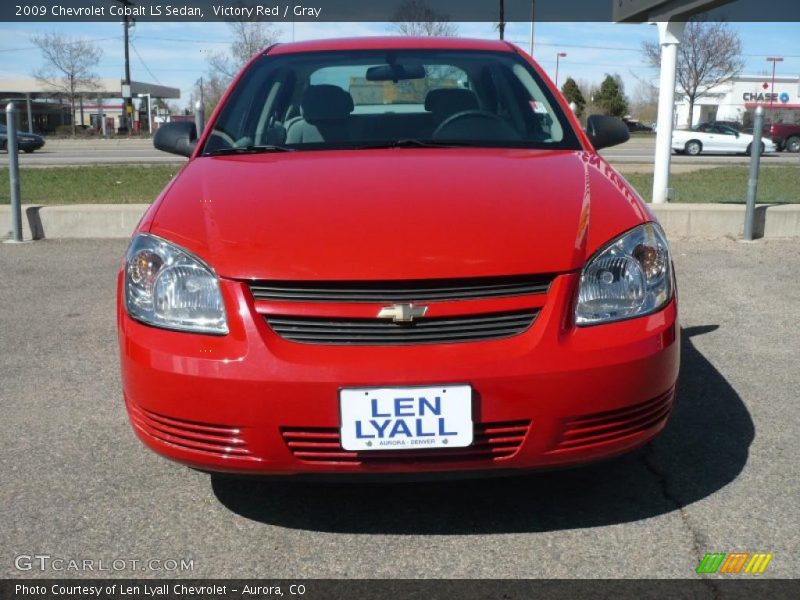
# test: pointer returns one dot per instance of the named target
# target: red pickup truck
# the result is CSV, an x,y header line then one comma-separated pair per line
x,y
786,136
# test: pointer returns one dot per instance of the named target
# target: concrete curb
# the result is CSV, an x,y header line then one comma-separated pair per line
x,y
679,220
74,220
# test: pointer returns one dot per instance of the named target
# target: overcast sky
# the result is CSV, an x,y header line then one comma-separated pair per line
x,y
174,54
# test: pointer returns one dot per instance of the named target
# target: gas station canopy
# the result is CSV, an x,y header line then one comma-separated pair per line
x,y
106,88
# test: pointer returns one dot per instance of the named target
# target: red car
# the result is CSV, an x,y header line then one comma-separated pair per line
x,y
396,255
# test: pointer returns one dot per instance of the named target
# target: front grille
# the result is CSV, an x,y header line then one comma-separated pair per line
x,y
207,438
370,332
400,291
614,425
492,441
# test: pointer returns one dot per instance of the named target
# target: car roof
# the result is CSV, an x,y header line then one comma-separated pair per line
x,y
391,43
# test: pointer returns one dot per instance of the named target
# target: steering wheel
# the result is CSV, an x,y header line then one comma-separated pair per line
x,y
227,139
498,129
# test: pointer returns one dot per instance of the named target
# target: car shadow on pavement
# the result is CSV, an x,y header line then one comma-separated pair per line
x,y
703,448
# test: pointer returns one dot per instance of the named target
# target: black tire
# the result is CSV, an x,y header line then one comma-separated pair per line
x,y
4,145
693,147
792,144
749,150
28,150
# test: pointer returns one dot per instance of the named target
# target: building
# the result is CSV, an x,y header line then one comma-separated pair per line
x,y
43,109
736,100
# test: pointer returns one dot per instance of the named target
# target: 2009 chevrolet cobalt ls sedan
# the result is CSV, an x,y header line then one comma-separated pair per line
x,y
396,256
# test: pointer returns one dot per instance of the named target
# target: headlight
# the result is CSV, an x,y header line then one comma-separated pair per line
x,y
630,277
167,287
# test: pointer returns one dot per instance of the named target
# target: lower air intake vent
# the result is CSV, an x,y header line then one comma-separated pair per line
x,y
614,425
217,440
492,441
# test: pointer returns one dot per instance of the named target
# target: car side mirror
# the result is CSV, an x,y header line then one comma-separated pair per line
x,y
606,131
178,137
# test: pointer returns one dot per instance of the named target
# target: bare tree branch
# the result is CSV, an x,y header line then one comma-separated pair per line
x,y
709,55
415,18
247,39
68,66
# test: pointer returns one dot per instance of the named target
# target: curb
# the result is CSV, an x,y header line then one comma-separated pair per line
x,y
74,221
678,220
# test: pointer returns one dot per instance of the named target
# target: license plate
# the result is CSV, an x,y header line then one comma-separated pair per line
x,y
412,418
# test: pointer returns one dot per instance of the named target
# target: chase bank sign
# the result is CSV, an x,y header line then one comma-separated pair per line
x,y
772,98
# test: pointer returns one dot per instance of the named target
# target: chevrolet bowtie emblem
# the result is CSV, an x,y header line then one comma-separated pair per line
x,y
402,313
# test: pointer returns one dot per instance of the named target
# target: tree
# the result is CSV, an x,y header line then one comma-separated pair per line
x,y
573,93
248,38
709,55
415,18
68,66
644,105
611,96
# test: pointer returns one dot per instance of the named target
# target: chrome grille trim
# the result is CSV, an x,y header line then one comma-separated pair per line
x,y
400,291
374,332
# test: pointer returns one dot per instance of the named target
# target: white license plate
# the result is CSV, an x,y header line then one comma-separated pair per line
x,y
412,418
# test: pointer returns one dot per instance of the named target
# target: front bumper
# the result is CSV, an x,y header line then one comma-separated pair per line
x,y
253,402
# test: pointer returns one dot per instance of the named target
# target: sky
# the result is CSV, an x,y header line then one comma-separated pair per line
x,y
175,54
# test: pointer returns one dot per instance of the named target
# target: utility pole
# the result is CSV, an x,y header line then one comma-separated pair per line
x,y
533,20
126,25
501,26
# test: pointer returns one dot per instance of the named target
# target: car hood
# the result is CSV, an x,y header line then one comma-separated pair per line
x,y
395,213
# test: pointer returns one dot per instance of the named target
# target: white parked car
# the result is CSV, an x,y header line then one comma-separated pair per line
x,y
717,138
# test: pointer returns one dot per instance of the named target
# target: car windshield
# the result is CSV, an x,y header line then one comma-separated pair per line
x,y
365,99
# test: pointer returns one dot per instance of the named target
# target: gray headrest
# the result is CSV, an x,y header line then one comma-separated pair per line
x,y
448,101
322,102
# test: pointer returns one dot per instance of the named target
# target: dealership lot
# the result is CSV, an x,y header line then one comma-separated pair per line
x,y
724,477
639,150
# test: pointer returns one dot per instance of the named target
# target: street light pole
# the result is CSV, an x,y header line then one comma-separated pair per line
x,y
774,60
559,56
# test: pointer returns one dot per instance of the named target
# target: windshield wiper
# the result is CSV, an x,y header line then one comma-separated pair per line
x,y
249,150
415,143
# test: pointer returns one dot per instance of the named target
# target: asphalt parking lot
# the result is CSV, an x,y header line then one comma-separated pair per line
x,y
723,477
67,152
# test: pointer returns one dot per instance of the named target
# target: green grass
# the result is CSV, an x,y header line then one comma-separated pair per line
x,y
132,184
776,185
112,184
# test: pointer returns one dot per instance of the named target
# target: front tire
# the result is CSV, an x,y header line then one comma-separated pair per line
x,y
693,147
792,144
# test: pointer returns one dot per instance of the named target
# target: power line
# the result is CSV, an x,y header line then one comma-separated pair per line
x,y
68,43
144,64
190,41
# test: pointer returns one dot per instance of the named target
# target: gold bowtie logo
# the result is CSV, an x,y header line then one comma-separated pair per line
x,y
402,313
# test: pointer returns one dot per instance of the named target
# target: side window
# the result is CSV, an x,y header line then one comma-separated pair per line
x,y
540,106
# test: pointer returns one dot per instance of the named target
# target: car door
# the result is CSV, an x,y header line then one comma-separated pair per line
x,y
707,137
727,140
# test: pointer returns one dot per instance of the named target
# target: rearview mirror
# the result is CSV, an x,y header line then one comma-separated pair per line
x,y
178,137
606,131
395,72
